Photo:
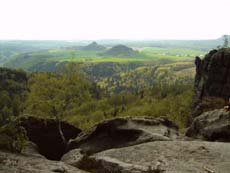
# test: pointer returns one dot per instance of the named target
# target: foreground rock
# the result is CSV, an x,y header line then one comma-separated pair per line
x,y
25,163
211,126
212,81
122,132
162,156
45,134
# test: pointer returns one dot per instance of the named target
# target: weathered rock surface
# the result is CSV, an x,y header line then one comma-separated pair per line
x,y
211,126
162,156
212,80
32,150
25,163
74,157
45,134
121,132
136,145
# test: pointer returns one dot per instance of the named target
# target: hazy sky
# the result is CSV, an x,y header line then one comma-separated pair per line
x,y
114,19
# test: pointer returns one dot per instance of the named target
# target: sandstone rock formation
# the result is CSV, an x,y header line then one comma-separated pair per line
x,y
212,81
27,163
121,132
45,134
176,155
132,145
162,157
211,126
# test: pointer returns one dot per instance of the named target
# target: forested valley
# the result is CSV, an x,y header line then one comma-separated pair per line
x,y
71,96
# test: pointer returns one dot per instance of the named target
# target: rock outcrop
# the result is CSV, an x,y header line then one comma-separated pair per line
x,y
45,134
129,145
211,126
212,81
27,163
162,157
107,148
121,132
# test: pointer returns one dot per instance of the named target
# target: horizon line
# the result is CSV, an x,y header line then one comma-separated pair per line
x,y
111,39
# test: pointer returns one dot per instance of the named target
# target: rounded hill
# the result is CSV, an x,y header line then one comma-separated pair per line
x,y
121,50
94,46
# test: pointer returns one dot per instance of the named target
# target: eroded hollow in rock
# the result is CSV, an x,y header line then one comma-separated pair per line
x,y
45,134
122,132
107,139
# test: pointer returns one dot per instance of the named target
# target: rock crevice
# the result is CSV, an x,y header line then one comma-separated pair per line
x,y
45,134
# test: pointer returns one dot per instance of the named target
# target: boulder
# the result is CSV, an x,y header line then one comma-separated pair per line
x,y
162,157
122,132
212,126
212,81
45,134
26,163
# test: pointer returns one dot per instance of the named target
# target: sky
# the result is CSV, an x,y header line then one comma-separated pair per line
x,y
113,19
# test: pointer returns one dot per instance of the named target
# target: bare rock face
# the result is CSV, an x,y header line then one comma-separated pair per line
x,y
211,126
162,157
122,132
45,134
26,163
212,81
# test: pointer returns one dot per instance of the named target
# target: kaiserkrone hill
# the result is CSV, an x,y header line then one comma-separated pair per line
x,y
93,47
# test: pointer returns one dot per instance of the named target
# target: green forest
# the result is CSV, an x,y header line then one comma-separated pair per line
x,y
69,95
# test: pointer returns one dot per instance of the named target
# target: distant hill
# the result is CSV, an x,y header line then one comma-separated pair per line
x,y
93,47
121,50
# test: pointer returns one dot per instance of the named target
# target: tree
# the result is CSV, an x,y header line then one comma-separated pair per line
x,y
55,95
12,93
226,41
